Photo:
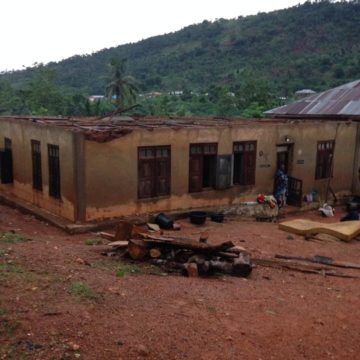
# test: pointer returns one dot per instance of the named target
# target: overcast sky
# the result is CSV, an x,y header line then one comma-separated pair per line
x,y
51,30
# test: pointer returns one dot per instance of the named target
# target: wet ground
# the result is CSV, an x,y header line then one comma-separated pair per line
x,y
61,299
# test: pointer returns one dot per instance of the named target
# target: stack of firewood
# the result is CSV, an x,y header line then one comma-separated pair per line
x,y
175,254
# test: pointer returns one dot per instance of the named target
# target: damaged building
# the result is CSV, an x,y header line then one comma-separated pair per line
x,y
85,170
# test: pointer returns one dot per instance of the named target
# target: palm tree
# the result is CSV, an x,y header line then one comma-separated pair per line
x,y
121,87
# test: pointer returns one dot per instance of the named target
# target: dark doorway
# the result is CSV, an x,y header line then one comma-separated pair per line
x,y
209,163
284,157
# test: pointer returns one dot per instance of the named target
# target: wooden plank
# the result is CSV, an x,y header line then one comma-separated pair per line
x,y
298,266
119,244
107,236
321,260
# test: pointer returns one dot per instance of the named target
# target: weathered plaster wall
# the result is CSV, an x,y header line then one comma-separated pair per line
x,y
111,168
21,134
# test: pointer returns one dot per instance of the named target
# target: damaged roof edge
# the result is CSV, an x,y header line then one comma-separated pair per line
x,y
108,129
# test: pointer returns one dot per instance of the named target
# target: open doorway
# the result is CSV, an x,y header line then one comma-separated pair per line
x,y
284,157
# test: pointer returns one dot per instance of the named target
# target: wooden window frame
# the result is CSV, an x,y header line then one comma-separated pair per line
x,y
324,159
197,152
248,178
36,165
54,171
160,184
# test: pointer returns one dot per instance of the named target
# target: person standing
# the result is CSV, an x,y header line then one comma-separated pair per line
x,y
281,186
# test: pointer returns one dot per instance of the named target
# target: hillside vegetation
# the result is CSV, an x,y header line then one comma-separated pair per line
x,y
315,45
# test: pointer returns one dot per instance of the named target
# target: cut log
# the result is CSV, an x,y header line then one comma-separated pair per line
x,y
203,266
137,249
155,253
191,269
321,260
242,266
221,266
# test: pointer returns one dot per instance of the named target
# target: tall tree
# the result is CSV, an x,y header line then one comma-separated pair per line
x,y
122,88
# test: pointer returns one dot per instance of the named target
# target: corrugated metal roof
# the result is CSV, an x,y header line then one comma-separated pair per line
x,y
342,100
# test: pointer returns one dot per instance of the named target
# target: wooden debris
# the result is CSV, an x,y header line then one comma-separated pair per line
x,y
301,267
321,260
191,269
119,244
186,243
124,231
107,236
154,227
155,253
188,256
137,249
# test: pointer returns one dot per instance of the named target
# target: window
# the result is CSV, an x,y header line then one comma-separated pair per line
x,y
6,162
202,166
324,159
36,165
54,171
154,170
244,162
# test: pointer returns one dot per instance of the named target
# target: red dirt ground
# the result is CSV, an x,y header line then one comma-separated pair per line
x,y
274,314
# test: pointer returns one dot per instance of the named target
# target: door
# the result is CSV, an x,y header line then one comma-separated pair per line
x,y
294,191
283,159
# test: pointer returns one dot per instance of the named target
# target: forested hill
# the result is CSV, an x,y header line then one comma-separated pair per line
x,y
314,45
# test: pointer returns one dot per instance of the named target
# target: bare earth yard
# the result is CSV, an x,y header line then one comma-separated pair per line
x,y
61,299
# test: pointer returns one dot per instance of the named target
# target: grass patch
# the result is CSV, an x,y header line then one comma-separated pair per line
x,y
92,242
7,326
82,291
123,267
10,268
13,238
127,268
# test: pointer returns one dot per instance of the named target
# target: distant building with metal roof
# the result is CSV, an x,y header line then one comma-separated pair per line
x,y
340,102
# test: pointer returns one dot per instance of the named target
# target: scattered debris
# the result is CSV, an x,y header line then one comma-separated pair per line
x,y
154,227
301,267
319,259
188,256
327,210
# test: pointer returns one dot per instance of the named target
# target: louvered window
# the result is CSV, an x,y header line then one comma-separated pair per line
x,y
202,166
54,171
36,165
154,167
244,162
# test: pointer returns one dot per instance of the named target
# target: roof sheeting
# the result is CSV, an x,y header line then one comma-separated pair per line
x,y
342,100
